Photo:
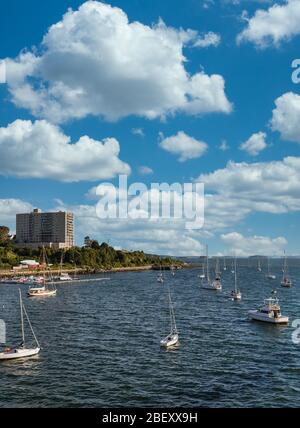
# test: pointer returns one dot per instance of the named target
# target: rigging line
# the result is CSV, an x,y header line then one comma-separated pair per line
x,y
37,342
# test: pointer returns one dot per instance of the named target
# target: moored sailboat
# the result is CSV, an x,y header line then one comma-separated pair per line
x,y
286,281
43,289
269,274
21,351
236,293
173,338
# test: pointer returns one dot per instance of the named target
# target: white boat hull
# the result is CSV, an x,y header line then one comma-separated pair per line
x,y
44,293
236,296
169,341
257,316
19,353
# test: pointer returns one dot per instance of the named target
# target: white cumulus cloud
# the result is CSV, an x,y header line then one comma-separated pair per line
x,y
184,146
286,117
41,150
208,39
96,62
8,210
272,26
255,144
244,246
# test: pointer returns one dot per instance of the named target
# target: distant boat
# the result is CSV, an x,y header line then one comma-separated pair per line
x,y
173,338
236,293
207,284
21,351
269,274
160,277
224,266
43,289
258,266
202,275
232,267
217,284
270,312
286,281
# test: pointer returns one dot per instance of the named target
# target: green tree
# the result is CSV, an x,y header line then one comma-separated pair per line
x,y
4,235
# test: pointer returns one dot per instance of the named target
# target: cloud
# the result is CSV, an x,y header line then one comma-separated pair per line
x,y
208,39
286,117
41,150
163,236
145,170
242,246
8,210
224,146
255,144
183,145
95,62
243,188
138,131
271,27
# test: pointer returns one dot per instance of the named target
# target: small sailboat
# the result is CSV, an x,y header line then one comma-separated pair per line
x,y
224,265
160,277
217,284
202,275
232,267
270,312
236,293
207,284
286,281
258,266
43,289
173,338
21,351
269,274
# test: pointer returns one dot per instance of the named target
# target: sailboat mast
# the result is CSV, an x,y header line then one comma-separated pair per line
x,y
235,276
207,265
172,314
44,268
22,318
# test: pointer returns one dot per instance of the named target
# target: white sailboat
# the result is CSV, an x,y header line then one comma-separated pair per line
x,y
202,275
217,284
43,290
232,267
160,277
21,351
224,266
269,274
286,281
173,338
236,293
259,266
207,284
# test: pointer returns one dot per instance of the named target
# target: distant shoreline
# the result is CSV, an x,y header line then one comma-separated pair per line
x,y
84,271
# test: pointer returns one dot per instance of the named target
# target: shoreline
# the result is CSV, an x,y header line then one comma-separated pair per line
x,y
84,271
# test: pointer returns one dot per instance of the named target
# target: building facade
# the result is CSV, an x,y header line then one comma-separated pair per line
x,y
37,229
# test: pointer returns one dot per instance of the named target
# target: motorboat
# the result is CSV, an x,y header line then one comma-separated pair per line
x,y
270,312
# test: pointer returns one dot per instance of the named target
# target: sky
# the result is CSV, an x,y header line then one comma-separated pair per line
x,y
194,91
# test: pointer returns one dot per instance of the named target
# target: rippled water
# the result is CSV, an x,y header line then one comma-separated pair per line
x,y
100,345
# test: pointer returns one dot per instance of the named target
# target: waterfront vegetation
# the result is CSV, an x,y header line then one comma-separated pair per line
x,y
96,257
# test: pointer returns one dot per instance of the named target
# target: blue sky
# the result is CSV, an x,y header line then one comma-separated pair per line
x,y
140,77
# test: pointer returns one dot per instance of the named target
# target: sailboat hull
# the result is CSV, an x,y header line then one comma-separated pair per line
x,y
41,293
19,353
286,284
170,341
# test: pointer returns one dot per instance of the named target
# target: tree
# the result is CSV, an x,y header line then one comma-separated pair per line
x,y
4,235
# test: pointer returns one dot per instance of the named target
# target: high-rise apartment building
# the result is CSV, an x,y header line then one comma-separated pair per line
x,y
37,229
